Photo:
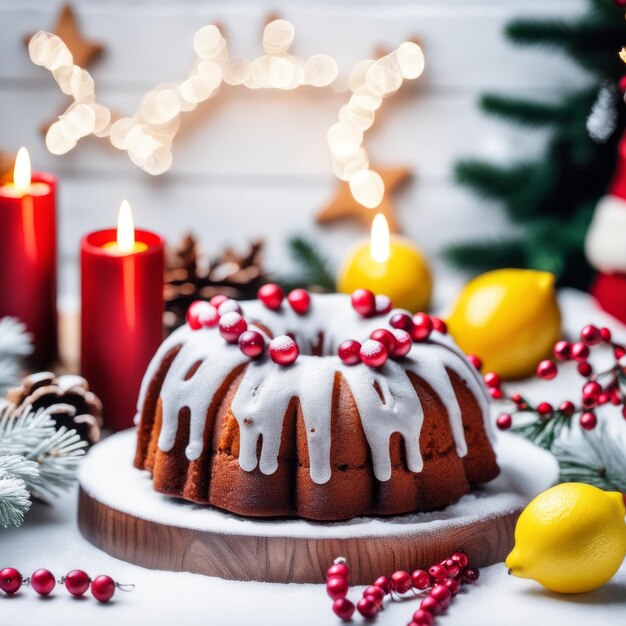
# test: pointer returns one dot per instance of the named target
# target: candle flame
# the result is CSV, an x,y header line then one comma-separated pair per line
x,y
379,239
125,228
21,171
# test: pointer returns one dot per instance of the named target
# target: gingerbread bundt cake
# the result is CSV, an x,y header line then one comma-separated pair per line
x,y
298,430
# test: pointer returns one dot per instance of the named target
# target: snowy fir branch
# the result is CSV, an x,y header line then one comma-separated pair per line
x,y
15,346
35,458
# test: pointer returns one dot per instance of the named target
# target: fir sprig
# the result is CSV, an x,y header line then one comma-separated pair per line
x,y
15,346
314,269
35,458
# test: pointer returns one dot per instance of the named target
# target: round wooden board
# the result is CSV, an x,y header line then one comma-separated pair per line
x,y
120,513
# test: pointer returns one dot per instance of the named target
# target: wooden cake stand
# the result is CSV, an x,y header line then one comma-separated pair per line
x,y
120,513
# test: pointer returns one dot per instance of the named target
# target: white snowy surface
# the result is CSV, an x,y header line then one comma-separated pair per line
x,y
49,538
516,485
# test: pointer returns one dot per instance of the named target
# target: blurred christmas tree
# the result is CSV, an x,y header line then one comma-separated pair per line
x,y
553,197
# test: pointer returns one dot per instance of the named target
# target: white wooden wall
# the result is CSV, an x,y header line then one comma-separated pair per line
x,y
252,164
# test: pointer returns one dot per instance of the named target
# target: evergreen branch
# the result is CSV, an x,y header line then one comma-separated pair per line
x,y
33,436
488,255
522,111
14,500
315,269
15,346
492,181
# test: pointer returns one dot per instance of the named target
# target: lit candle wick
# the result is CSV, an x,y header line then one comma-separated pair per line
x,y
379,239
21,171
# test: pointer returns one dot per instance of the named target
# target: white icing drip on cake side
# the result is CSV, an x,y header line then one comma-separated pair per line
x,y
266,389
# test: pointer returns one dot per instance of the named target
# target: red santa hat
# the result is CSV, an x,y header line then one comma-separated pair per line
x,y
605,244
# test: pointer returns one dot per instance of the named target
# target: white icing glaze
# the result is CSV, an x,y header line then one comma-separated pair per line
x,y
266,389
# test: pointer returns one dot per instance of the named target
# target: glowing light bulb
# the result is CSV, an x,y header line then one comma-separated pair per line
x,y
21,171
379,239
125,228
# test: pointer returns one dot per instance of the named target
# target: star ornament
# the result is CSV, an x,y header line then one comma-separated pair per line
x,y
344,206
83,50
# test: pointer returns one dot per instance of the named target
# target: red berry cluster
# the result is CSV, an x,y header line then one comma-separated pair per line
x,y
227,315
598,389
443,581
366,304
76,582
384,343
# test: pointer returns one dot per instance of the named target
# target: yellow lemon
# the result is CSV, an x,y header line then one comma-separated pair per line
x,y
570,538
509,318
404,275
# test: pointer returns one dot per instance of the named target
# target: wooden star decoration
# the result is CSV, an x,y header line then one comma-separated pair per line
x,y
343,205
83,50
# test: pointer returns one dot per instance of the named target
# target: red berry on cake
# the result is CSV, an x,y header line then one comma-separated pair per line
x,y
475,361
364,302
217,300
422,327
348,352
402,321
232,325
229,306
492,380
252,344
439,325
283,350
201,314
373,353
300,301
404,343
383,305
384,336
271,295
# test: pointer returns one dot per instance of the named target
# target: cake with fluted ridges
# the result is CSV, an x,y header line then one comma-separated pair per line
x,y
317,439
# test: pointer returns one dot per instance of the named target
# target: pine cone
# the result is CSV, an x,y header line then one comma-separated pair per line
x,y
74,405
188,277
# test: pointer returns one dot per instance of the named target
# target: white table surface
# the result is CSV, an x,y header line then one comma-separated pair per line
x,y
50,538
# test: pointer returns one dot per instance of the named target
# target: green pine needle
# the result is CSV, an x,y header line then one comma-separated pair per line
x,y
483,256
315,270
522,111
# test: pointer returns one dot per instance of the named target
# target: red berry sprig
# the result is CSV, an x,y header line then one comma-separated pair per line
x,y
438,586
598,389
76,582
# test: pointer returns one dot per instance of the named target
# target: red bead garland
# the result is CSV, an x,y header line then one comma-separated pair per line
x,y
599,389
42,581
102,588
76,582
10,580
440,584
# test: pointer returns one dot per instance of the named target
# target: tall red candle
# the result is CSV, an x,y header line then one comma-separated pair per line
x,y
28,256
121,319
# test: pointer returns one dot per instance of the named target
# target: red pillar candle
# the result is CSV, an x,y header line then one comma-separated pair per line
x,y
28,255
121,314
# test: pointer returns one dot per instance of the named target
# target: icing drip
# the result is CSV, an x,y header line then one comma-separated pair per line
x,y
266,389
